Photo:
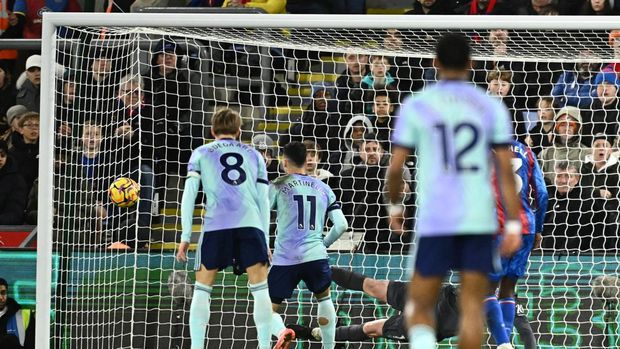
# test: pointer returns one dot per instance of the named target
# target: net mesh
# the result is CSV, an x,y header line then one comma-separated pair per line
x,y
134,101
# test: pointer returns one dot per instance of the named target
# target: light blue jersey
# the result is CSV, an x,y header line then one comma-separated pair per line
x,y
303,204
453,125
232,174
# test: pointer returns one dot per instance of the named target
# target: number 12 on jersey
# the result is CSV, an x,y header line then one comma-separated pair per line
x,y
455,161
299,199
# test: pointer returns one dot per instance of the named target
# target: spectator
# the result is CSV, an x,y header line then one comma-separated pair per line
x,y
314,122
12,191
500,85
349,93
68,114
604,114
269,6
569,220
570,7
361,195
597,7
14,335
535,7
32,204
577,87
485,7
89,166
30,14
601,173
614,42
266,147
408,71
314,159
97,89
167,89
7,92
383,120
29,93
13,115
430,7
8,30
351,140
566,142
25,148
379,78
541,135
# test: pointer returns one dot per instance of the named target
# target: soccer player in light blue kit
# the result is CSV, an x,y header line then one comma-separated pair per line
x,y
303,204
236,222
453,126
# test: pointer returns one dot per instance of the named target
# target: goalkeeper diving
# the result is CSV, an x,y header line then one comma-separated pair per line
x,y
394,293
302,204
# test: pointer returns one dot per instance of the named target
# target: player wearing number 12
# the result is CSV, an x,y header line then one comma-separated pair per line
x,y
303,204
453,126
236,222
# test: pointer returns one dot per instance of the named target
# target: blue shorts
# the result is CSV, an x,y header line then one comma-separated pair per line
x,y
436,255
283,279
515,266
240,248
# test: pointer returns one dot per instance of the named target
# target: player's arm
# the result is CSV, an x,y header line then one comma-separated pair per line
x,y
403,139
188,201
263,196
512,227
339,224
537,183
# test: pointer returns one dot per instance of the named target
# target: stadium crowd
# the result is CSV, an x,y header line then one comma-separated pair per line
x,y
111,123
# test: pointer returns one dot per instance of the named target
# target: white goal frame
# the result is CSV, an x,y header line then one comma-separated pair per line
x,y
51,21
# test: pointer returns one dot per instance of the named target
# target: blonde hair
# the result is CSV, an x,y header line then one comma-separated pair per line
x,y
226,121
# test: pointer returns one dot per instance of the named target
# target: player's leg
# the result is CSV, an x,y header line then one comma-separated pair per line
x,y
524,329
282,281
514,270
257,278
317,276
474,285
251,254
200,311
477,258
432,257
507,302
358,282
492,308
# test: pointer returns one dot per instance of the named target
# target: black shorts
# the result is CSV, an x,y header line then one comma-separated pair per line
x,y
240,248
446,312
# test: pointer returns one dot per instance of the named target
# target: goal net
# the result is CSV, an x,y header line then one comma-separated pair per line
x,y
133,97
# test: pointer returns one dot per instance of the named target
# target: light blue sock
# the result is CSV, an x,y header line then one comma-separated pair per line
x,y
495,320
199,314
277,325
508,311
262,313
422,337
328,331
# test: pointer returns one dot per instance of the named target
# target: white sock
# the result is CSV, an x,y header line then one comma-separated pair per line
x,y
328,331
199,314
505,346
422,337
277,325
262,313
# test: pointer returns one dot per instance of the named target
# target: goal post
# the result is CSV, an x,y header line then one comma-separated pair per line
x,y
270,67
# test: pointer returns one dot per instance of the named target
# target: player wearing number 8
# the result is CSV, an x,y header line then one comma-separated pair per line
x,y
236,223
303,204
453,127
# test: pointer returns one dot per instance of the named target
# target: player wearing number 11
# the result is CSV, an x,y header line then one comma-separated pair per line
x,y
454,126
303,204
236,223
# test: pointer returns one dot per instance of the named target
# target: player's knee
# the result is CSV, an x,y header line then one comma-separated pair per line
x,y
323,321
